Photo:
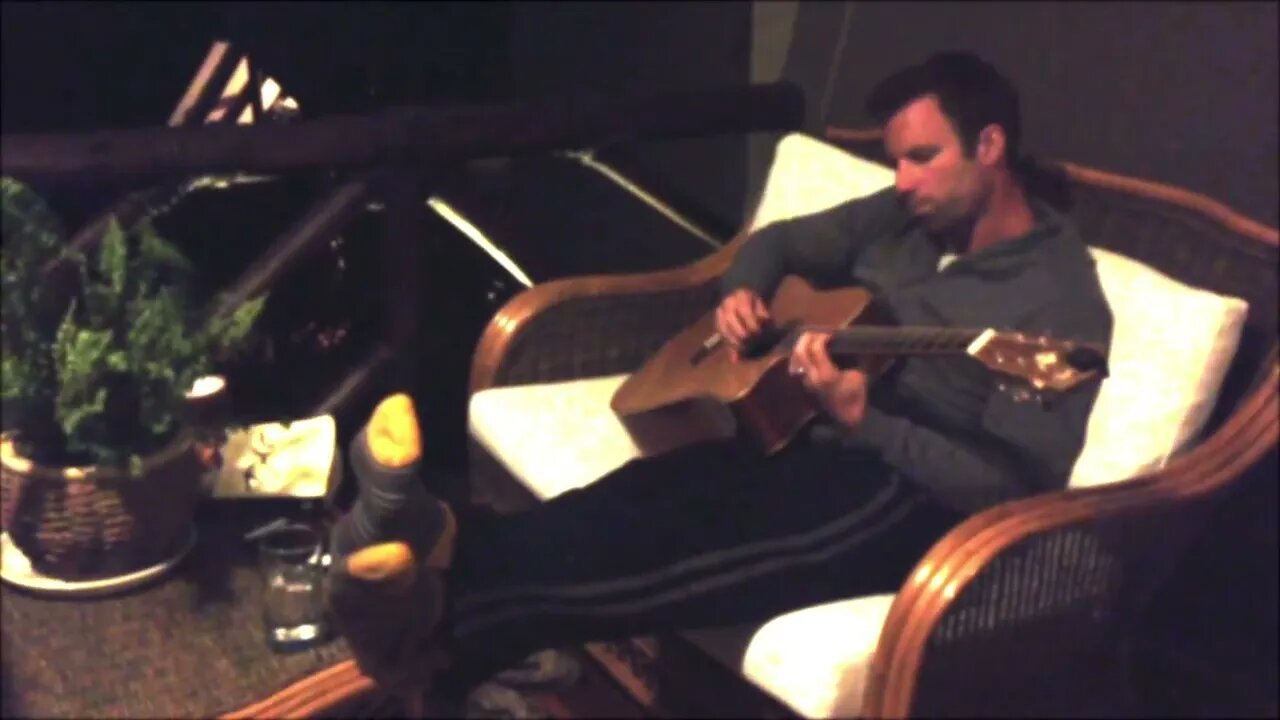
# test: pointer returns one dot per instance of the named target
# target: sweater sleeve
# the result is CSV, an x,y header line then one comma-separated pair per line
x,y
821,247
1022,448
967,475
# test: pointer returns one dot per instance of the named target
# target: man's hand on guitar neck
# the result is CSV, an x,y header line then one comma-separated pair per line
x,y
742,314
842,392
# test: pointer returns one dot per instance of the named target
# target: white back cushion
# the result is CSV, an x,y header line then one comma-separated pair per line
x,y
808,176
1171,345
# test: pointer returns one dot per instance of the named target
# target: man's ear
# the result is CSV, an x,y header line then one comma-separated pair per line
x,y
991,145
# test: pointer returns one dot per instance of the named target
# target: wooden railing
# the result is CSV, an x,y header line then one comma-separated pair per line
x,y
415,136
391,157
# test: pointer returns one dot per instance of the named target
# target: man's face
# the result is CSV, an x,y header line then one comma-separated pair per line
x,y
935,180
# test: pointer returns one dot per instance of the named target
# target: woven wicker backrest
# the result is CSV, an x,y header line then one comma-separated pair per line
x,y
626,335
1016,633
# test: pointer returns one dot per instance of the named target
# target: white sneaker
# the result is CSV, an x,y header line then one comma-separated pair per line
x,y
493,700
543,670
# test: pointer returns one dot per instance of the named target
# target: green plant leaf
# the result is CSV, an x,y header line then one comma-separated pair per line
x,y
230,329
113,256
118,360
101,304
12,377
155,249
79,356
27,222
74,412
32,237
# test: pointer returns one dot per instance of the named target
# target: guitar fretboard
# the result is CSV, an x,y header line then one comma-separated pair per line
x,y
873,340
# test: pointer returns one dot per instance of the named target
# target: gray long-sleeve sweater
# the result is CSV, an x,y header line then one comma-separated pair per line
x,y
941,422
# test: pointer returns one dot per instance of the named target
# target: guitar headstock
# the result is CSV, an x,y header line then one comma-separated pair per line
x,y
1042,363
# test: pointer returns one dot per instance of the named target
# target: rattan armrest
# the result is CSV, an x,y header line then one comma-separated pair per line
x,y
597,324
314,695
1149,515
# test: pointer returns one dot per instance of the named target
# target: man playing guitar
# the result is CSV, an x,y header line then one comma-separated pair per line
x,y
717,533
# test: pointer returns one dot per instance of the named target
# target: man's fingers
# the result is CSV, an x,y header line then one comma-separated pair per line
x,y
739,317
730,321
722,324
759,309
719,322
804,354
799,362
842,392
729,326
809,360
821,358
747,319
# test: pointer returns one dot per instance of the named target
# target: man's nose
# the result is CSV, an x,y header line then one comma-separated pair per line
x,y
904,180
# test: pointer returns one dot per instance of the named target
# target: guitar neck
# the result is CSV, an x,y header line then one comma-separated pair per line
x,y
901,341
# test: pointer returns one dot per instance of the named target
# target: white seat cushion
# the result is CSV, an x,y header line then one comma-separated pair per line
x,y
816,660
557,436
552,437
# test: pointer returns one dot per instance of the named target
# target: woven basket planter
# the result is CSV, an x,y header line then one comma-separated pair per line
x,y
87,522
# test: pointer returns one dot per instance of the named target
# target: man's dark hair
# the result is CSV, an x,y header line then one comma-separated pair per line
x,y
971,93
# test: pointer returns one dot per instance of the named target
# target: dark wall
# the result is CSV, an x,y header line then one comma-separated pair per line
x,y
632,47
89,65
1184,93
74,66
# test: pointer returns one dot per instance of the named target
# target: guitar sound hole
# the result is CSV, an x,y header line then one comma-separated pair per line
x,y
768,338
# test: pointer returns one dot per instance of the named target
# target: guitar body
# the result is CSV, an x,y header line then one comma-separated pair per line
x,y
685,395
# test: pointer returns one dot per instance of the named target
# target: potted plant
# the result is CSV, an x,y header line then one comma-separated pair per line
x,y
100,468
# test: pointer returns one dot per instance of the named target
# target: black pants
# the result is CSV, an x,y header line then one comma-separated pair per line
x,y
710,535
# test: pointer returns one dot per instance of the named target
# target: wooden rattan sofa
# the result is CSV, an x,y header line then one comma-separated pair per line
x,y
991,621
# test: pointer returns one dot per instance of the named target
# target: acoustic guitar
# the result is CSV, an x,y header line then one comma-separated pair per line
x,y
691,391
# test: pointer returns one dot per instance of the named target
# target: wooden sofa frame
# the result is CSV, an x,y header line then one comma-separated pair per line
x,y
992,619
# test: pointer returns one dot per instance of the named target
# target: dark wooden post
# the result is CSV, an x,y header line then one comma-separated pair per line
x,y
401,254
254,92
392,363
358,382
206,87
325,218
